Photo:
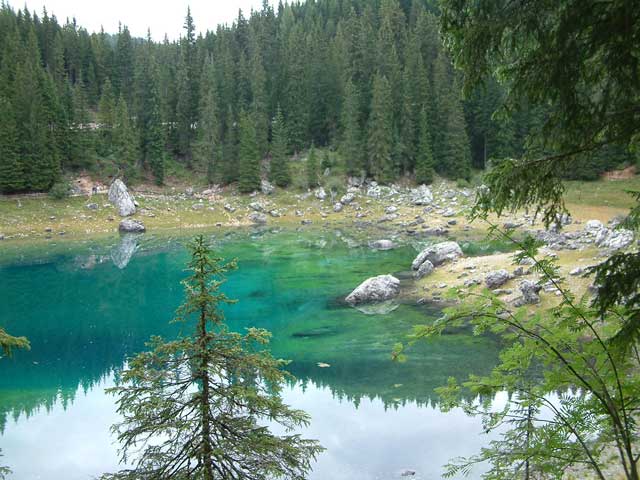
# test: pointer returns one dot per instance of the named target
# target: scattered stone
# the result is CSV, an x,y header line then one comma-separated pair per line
x,y
299,213
511,225
197,206
266,187
48,229
390,209
452,222
530,292
425,269
110,218
229,208
323,365
388,218
319,193
471,282
421,195
92,206
347,198
338,207
375,289
258,218
577,271
449,213
438,254
614,239
407,473
527,261
518,272
189,192
256,206
275,213
593,226
496,278
120,197
306,222
1,236
131,226
383,245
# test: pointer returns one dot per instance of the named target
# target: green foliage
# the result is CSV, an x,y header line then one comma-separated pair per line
x,y
125,144
249,169
60,190
280,172
381,131
11,175
203,399
313,175
351,146
572,391
424,163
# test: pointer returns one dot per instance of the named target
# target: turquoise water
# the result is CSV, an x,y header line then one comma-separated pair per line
x,y
85,309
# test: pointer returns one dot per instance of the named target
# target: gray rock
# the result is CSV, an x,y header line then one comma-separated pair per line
x,y
299,213
530,292
347,198
383,245
375,289
306,222
449,213
92,206
229,208
438,254
577,271
390,209
197,206
511,225
614,239
266,187
131,226
518,272
374,190
319,193
256,207
121,198
379,308
275,213
258,218
388,218
1,236
593,226
452,222
122,253
421,195
338,207
496,278
425,269
189,192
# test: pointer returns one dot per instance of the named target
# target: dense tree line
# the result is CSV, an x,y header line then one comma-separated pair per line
x,y
368,78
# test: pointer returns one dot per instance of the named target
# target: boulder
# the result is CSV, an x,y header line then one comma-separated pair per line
x,y
438,254
390,209
375,289
189,191
197,206
421,195
383,245
120,197
92,206
530,292
266,187
338,207
258,218
614,239
256,207
319,193
129,225
593,226
496,278
122,253
229,208
425,269
347,198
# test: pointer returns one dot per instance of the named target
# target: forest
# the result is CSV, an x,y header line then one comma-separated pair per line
x,y
371,80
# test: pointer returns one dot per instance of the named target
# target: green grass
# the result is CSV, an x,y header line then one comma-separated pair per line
x,y
609,193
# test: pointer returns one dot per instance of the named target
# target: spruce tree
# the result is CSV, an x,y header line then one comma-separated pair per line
x,y
124,141
351,145
424,160
312,168
106,117
249,165
280,173
11,175
207,148
205,397
381,131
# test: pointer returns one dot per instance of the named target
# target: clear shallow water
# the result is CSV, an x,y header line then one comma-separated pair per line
x,y
84,311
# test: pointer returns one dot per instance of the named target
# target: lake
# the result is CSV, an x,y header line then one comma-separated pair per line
x,y
86,307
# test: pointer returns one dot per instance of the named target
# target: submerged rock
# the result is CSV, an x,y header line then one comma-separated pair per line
x,y
375,289
383,245
120,197
438,254
380,308
129,225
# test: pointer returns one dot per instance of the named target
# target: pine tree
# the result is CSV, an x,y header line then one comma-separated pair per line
x,y
124,140
249,168
106,117
205,397
207,149
82,144
351,145
280,173
381,131
124,71
11,175
312,168
424,161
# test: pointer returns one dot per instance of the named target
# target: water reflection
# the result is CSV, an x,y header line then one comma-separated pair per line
x,y
84,317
